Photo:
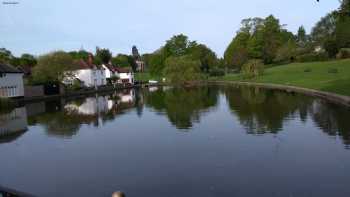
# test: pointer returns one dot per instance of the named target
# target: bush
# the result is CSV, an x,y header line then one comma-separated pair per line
x,y
217,72
343,53
308,70
332,70
253,69
312,57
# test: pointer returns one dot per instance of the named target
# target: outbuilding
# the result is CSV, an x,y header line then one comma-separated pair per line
x,y
11,82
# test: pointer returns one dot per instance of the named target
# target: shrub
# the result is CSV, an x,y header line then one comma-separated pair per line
x,y
343,53
253,69
312,57
308,70
332,70
217,72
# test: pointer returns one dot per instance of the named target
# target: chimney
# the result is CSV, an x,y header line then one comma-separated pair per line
x,y
90,59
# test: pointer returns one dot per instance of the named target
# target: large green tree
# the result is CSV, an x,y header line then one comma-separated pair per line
x,y
5,55
324,29
301,36
121,60
81,54
53,67
272,38
102,56
342,31
206,56
236,53
182,69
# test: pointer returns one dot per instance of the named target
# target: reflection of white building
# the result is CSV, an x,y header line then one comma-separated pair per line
x,y
13,122
153,89
126,96
90,106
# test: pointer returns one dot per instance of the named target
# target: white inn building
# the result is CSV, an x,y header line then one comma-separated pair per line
x,y
11,82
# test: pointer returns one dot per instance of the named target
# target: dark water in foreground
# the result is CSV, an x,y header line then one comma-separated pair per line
x,y
205,141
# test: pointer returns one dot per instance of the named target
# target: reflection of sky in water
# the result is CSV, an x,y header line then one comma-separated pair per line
x,y
208,141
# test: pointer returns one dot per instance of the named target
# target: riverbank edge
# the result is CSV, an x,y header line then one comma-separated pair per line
x,y
332,97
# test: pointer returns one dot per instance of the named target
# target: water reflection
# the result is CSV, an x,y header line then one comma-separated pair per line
x,y
64,118
12,124
257,110
264,111
332,119
182,106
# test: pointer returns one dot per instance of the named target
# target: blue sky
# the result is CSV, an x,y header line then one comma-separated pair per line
x,y
39,26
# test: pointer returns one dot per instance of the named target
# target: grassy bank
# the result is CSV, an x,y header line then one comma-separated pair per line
x,y
146,77
332,76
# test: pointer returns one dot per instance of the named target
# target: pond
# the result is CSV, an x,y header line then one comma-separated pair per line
x,y
182,142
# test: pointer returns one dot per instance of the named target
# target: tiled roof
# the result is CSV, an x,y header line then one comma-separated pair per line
x,y
85,65
117,69
4,68
122,70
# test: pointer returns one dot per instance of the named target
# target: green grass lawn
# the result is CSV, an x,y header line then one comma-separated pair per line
x,y
318,78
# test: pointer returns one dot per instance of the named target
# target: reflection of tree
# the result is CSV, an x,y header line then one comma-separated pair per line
x,y
183,106
332,119
264,111
59,124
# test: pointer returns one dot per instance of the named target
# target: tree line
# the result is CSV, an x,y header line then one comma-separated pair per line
x,y
258,42
51,67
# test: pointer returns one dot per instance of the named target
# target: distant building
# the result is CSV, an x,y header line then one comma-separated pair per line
x,y
11,82
140,66
88,74
124,75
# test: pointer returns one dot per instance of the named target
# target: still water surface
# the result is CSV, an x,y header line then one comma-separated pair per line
x,y
182,142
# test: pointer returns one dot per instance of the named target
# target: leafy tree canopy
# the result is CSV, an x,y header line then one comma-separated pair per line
x,y
53,67
102,56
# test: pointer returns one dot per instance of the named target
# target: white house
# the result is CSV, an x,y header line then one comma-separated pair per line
x,y
125,75
109,71
87,73
11,82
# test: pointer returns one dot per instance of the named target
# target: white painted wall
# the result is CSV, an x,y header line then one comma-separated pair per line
x,y
90,77
129,76
108,73
11,85
128,97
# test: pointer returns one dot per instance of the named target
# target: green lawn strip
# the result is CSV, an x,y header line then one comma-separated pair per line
x,y
319,76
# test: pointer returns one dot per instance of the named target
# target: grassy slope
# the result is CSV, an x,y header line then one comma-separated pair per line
x,y
145,77
319,78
